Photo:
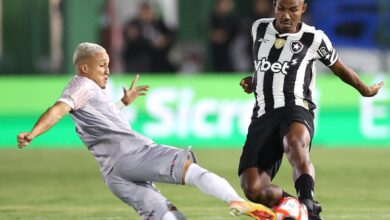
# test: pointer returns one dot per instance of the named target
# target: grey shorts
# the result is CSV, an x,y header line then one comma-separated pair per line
x,y
132,177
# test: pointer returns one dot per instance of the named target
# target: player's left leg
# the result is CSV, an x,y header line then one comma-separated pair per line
x,y
296,144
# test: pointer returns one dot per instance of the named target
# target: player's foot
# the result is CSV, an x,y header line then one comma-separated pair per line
x,y
256,211
313,209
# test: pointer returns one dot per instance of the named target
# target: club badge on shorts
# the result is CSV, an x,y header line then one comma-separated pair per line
x,y
279,43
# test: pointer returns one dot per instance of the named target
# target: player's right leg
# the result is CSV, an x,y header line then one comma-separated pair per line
x,y
144,198
297,130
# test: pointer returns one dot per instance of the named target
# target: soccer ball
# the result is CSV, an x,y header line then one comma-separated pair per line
x,y
289,208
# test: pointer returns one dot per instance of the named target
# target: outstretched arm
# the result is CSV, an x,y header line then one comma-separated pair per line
x,y
44,123
129,95
350,77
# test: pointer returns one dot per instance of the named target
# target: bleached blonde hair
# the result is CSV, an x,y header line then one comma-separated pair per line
x,y
85,50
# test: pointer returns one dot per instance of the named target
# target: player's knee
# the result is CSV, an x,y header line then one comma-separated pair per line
x,y
295,144
252,193
297,140
185,169
260,196
256,193
296,149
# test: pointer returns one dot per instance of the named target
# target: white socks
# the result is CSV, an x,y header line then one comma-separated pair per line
x,y
210,184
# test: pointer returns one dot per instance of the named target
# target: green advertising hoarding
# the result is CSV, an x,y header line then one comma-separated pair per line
x,y
197,110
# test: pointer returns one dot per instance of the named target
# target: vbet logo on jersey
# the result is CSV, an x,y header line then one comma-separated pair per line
x,y
277,67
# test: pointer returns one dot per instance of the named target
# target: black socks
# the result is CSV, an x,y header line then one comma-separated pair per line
x,y
305,187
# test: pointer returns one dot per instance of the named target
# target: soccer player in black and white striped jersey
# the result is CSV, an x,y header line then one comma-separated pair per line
x,y
285,51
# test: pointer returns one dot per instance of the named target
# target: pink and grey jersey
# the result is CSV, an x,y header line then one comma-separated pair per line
x,y
100,124
285,73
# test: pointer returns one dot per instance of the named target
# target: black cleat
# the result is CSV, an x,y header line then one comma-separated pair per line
x,y
313,209
289,218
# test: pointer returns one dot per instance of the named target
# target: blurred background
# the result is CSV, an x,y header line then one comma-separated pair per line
x,y
193,54
176,36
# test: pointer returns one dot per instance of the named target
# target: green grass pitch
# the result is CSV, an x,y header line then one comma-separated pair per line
x,y
39,184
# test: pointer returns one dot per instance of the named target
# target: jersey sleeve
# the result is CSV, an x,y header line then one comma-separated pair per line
x,y
76,95
255,25
326,53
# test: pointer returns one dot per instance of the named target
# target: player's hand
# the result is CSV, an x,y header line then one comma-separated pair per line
x,y
23,139
247,84
372,90
129,95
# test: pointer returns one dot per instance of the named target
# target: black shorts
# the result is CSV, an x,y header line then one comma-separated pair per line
x,y
264,143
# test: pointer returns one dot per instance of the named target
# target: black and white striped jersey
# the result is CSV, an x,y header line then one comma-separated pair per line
x,y
285,73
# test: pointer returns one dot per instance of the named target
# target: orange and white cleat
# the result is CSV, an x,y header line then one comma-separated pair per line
x,y
256,211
